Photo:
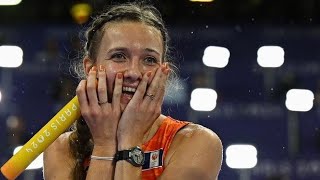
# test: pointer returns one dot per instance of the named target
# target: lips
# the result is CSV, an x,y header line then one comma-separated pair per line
x,y
127,94
128,90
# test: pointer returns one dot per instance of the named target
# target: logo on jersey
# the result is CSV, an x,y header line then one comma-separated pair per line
x,y
153,159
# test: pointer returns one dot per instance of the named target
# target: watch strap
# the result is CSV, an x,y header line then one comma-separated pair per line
x,y
130,156
123,155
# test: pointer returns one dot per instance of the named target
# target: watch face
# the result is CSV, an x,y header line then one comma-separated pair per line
x,y
137,156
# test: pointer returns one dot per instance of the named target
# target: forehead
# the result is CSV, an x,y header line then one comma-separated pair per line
x,y
132,34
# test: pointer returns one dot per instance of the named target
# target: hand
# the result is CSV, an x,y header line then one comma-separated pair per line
x,y
143,109
101,115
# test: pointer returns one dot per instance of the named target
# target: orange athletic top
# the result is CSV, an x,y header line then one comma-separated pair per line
x,y
157,147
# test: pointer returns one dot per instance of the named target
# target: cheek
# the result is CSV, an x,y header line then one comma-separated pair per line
x,y
153,73
111,73
110,80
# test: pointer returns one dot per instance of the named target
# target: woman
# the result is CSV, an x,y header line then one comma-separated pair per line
x,y
122,134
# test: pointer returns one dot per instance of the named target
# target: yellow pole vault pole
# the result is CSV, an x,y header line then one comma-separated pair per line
x,y
42,139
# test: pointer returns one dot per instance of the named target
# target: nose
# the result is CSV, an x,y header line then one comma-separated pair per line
x,y
133,71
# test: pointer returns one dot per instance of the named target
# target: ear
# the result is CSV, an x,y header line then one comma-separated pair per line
x,y
87,64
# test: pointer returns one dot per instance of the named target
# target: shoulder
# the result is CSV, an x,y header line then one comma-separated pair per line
x,y
203,149
197,134
193,131
60,145
57,159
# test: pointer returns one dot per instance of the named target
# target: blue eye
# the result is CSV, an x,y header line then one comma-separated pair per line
x,y
150,60
118,56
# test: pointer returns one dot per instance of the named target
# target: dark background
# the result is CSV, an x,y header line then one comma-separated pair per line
x,y
251,99
179,11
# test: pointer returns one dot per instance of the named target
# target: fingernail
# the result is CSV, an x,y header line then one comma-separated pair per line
x,y
166,72
119,75
149,73
94,68
163,68
101,68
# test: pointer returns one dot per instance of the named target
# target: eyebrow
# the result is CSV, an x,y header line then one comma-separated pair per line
x,y
117,49
126,50
151,50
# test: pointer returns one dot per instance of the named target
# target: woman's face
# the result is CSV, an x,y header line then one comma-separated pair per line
x,y
131,48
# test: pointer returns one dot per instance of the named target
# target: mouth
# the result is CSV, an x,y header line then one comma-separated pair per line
x,y
128,90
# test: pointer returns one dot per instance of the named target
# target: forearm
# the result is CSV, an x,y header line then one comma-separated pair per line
x,y
124,170
102,169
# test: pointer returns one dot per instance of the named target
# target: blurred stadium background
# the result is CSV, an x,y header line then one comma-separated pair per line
x,y
250,107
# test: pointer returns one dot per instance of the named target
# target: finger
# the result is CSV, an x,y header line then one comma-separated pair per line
x,y
162,85
81,94
141,89
91,86
102,85
117,91
154,86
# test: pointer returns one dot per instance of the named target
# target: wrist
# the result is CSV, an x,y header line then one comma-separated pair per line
x,y
124,145
104,150
104,141
133,155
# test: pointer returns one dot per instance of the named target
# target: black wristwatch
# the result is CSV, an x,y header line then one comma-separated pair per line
x,y
134,155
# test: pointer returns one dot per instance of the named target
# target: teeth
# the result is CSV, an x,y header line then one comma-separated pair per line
x,y
128,89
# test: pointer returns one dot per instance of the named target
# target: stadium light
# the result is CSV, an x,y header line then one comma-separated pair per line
x,y
10,56
9,2
216,56
201,0
299,100
0,95
36,164
203,99
81,12
270,56
241,156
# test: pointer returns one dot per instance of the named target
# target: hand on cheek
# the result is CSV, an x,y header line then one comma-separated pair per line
x,y
143,109
101,116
